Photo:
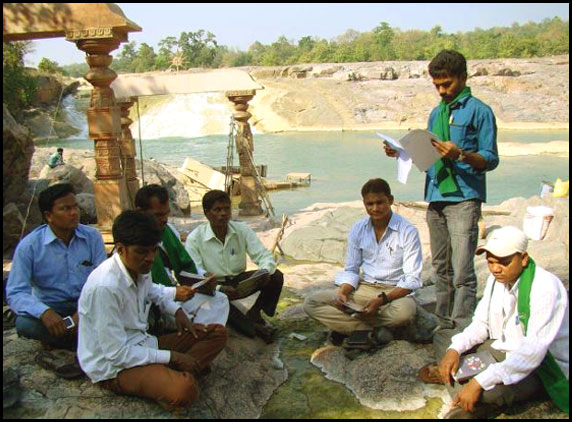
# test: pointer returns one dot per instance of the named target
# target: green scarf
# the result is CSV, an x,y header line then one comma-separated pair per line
x,y
177,259
549,372
443,167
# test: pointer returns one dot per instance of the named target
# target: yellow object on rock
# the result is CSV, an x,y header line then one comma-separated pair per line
x,y
561,188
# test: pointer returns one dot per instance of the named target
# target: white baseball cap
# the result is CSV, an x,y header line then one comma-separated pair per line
x,y
505,241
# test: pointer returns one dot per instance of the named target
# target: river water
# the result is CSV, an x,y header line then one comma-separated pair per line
x,y
341,162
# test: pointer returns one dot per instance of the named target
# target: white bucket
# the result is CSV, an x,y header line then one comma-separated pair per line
x,y
536,221
546,190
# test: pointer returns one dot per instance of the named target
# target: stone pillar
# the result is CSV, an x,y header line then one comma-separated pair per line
x,y
128,152
249,195
104,123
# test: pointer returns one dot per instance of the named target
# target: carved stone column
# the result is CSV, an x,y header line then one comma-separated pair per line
x,y
104,122
128,152
249,195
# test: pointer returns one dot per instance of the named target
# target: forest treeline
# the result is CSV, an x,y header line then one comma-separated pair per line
x,y
201,49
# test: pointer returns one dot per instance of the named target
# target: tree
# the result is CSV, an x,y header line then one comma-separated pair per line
x,y
145,60
18,86
49,66
384,37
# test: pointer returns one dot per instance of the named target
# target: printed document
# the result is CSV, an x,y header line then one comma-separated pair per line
x,y
416,147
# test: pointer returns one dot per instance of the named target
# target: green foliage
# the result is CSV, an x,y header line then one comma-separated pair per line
x,y
49,66
18,86
200,48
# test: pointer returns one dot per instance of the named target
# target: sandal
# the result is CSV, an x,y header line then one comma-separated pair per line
x,y
429,374
62,366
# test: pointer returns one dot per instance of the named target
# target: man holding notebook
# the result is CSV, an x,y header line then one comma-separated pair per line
x,y
387,249
521,321
220,246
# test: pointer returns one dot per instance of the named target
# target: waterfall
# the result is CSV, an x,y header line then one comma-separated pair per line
x,y
187,116
75,117
183,115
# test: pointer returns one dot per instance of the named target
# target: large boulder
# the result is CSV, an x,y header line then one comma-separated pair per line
x,y
244,376
17,150
67,174
159,174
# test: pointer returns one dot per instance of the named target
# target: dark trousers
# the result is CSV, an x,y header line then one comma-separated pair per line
x,y
31,327
266,301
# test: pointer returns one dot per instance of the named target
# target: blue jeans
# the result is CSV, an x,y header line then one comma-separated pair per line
x,y
453,232
31,327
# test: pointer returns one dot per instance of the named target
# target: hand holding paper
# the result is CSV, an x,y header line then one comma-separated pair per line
x,y
417,147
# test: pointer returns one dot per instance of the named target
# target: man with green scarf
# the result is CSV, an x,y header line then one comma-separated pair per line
x,y
171,260
455,187
523,321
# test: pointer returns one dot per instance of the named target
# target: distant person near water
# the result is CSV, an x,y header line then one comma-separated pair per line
x,y
455,186
57,158
387,249
521,324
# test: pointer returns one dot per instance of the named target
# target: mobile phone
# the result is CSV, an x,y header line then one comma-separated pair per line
x,y
68,322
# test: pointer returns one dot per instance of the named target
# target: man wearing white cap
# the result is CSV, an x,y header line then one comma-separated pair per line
x,y
522,321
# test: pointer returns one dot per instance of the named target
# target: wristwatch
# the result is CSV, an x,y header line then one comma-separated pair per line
x,y
462,156
384,297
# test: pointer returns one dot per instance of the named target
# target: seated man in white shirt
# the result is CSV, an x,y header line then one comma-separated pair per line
x,y
522,321
114,348
388,250
220,246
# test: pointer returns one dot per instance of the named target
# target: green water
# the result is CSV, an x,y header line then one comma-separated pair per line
x,y
341,162
307,394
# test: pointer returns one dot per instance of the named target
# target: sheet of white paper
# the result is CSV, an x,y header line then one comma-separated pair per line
x,y
390,141
403,160
418,145
404,164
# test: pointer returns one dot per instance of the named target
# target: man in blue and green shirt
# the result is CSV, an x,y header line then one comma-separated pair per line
x,y
455,186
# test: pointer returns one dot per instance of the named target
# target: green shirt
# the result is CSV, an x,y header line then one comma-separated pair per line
x,y
228,259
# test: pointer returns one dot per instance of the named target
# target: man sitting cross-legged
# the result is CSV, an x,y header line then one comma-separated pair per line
x,y
522,321
114,348
49,269
387,248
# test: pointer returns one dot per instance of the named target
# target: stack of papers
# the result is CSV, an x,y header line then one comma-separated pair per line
x,y
416,148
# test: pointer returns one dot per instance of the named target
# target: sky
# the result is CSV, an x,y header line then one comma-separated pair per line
x,y
239,25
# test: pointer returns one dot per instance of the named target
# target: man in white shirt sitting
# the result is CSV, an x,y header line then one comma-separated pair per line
x,y
221,246
114,348
388,250
522,321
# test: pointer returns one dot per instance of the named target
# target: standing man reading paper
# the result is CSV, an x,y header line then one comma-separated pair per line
x,y
455,186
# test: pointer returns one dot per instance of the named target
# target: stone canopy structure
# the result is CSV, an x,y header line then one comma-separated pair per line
x,y
238,87
97,29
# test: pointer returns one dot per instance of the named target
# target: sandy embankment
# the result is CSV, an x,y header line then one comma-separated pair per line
x,y
320,97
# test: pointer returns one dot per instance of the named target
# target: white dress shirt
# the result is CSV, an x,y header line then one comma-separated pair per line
x,y
395,260
496,317
228,258
113,312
